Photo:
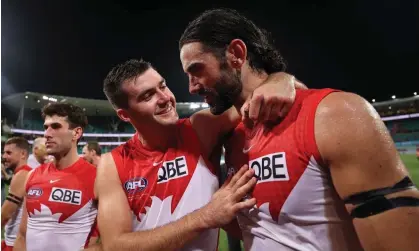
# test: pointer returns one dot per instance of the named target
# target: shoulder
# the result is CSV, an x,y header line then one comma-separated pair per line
x,y
341,107
344,121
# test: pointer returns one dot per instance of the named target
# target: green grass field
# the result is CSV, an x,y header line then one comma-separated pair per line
x,y
410,160
412,163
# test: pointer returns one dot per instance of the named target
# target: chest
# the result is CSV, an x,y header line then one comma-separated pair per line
x,y
277,161
165,188
60,196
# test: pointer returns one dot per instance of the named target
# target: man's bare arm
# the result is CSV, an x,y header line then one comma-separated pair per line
x,y
355,144
15,197
20,242
114,217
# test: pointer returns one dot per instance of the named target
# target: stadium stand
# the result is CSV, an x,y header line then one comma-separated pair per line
x,y
401,117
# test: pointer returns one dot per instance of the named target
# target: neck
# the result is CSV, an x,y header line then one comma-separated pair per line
x,y
250,80
68,159
21,163
96,160
159,139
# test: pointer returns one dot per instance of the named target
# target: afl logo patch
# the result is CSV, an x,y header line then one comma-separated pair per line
x,y
34,192
135,185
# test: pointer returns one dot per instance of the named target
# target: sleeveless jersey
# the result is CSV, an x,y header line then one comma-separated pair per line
x,y
297,206
162,187
61,212
12,226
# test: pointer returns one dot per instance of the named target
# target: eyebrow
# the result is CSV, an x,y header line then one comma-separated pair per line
x,y
53,123
162,81
192,66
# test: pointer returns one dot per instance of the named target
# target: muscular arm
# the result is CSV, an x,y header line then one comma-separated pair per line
x,y
15,196
114,216
355,144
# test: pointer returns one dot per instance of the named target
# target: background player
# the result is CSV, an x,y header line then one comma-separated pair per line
x,y
324,129
59,196
167,161
16,151
39,153
91,153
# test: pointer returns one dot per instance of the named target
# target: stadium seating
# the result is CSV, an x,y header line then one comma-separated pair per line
x,y
404,130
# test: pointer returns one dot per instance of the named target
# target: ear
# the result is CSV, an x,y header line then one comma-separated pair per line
x,y
123,115
77,133
236,53
23,154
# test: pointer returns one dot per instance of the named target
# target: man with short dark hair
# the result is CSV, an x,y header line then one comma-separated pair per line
x,y
331,151
91,153
15,156
60,212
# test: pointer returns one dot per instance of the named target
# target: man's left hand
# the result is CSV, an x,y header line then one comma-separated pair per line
x,y
273,99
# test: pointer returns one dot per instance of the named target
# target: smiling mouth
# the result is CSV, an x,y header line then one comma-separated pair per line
x,y
168,109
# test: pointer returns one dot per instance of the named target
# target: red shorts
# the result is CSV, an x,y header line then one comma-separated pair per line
x,y
4,247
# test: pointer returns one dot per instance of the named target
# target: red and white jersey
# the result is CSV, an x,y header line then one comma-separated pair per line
x,y
162,187
60,206
12,226
297,205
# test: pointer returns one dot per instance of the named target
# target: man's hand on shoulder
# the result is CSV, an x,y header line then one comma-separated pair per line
x,y
273,99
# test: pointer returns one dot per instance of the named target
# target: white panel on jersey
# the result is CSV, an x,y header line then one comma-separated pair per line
x,y
44,232
195,196
313,218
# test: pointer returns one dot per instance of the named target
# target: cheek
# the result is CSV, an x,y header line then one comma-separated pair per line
x,y
142,111
170,94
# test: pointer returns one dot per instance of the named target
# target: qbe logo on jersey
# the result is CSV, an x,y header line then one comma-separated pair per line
x,y
173,169
64,195
271,167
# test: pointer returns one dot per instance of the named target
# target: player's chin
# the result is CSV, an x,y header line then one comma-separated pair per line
x,y
168,119
51,151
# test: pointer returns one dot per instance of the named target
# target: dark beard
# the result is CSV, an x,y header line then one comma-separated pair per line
x,y
227,90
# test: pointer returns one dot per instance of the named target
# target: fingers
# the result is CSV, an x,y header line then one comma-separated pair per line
x,y
238,175
256,102
300,85
244,110
266,109
275,112
285,109
246,188
226,182
243,179
247,204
